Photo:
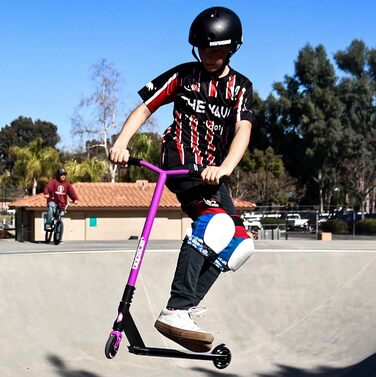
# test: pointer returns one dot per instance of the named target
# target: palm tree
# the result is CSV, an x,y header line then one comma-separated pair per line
x,y
34,163
89,170
146,146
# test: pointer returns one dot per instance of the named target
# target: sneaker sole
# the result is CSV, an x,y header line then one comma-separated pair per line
x,y
192,340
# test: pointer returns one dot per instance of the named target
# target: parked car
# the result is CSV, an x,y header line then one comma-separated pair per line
x,y
295,221
323,217
251,221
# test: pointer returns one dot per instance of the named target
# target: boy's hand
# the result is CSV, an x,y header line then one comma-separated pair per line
x,y
119,155
212,174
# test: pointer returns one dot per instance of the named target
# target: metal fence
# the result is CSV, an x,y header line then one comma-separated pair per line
x,y
277,224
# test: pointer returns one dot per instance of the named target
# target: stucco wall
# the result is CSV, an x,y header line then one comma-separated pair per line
x,y
115,225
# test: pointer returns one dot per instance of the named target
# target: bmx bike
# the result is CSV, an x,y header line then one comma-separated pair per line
x,y
220,355
57,227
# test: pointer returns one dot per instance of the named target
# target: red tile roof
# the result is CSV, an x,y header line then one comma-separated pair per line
x,y
115,195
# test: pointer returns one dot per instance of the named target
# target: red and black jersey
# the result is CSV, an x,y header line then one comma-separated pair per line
x,y
205,112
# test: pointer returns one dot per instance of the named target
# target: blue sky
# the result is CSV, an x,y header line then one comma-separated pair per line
x,y
48,46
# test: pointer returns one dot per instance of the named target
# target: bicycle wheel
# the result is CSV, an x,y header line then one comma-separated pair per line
x,y
58,235
47,236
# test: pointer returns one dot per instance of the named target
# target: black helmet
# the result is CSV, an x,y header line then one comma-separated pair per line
x,y
61,172
216,26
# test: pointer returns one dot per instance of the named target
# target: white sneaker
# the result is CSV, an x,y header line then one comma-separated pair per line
x,y
197,311
178,326
178,318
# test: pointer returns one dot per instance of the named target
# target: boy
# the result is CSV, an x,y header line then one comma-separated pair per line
x,y
57,192
211,129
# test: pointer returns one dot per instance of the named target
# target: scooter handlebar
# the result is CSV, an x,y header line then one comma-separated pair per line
x,y
134,161
194,173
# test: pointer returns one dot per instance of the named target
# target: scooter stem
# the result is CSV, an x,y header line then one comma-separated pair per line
x,y
144,239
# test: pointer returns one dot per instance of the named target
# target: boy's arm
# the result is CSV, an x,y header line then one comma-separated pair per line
x,y
239,145
47,189
119,152
72,194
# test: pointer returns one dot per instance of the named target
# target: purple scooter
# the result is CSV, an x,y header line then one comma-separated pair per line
x,y
220,355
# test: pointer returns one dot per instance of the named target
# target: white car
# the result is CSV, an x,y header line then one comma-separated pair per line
x,y
251,221
295,221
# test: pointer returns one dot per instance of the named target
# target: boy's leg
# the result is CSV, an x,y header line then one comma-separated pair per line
x,y
50,213
209,272
175,320
208,275
214,232
193,275
187,273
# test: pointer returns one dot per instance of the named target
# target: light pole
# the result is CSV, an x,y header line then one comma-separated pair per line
x,y
266,182
337,190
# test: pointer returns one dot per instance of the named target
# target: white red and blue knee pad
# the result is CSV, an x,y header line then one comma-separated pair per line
x,y
220,237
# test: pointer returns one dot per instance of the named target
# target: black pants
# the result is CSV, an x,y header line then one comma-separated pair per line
x,y
194,275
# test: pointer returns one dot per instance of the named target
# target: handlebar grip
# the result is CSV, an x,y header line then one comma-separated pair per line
x,y
134,161
196,173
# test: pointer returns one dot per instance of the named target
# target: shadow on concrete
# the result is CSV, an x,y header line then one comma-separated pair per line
x,y
213,372
64,371
366,368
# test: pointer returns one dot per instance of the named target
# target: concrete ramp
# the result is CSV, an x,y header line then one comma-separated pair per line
x,y
289,313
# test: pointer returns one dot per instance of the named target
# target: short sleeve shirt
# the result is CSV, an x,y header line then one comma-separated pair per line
x,y
206,110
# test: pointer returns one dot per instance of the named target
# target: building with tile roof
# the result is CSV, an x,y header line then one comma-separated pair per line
x,y
108,211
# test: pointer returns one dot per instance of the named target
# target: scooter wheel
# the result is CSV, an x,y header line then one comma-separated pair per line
x,y
223,362
111,349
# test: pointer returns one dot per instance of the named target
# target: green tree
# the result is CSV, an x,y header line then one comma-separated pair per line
x,y
357,92
34,165
146,146
89,170
307,111
261,177
20,133
261,128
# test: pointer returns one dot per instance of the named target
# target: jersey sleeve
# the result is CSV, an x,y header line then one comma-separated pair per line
x,y
161,90
244,100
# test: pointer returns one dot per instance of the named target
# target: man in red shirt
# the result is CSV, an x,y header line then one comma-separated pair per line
x,y
57,192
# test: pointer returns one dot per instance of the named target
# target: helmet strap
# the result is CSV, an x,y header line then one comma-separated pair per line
x,y
232,52
195,54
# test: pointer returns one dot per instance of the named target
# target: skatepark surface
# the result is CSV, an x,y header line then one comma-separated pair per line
x,y
296,309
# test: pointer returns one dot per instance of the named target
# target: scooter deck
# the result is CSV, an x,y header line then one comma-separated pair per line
x,y
166,352
138,347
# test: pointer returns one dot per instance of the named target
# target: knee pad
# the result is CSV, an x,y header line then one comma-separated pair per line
x,y
238,251
211,232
